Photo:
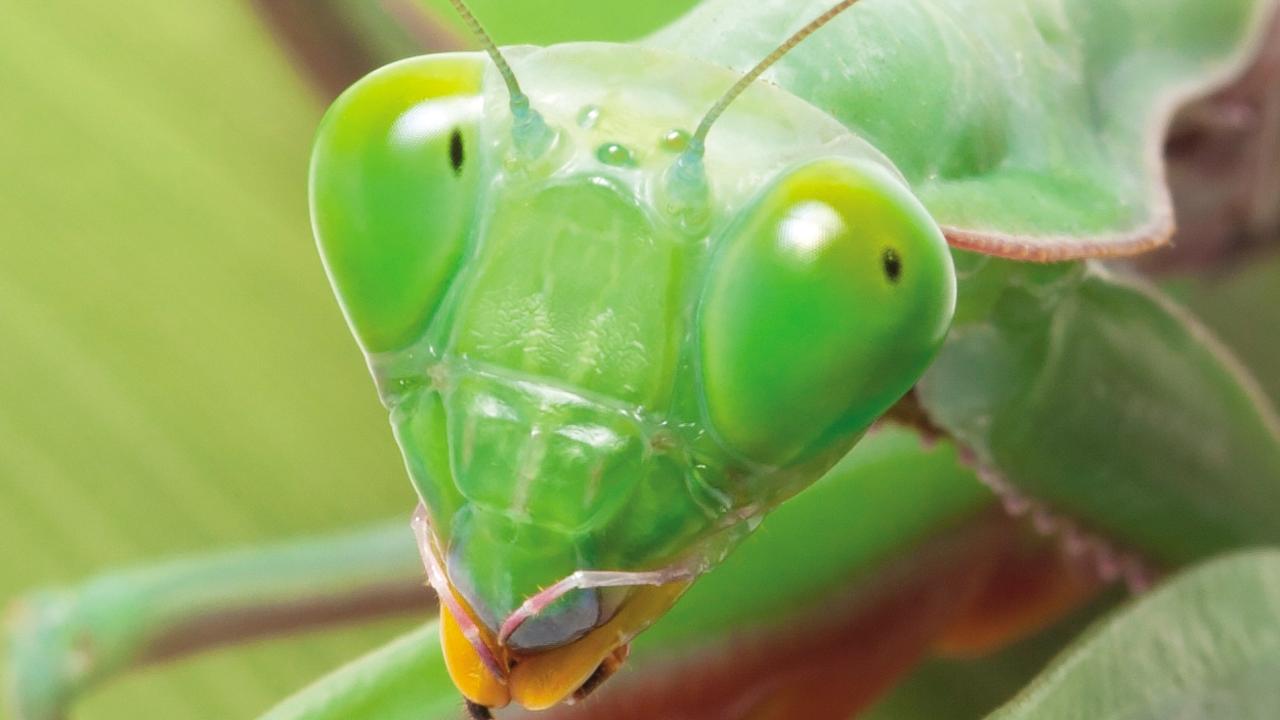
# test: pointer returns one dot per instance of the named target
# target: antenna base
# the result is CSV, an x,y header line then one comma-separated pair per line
x,y
686,193
532,136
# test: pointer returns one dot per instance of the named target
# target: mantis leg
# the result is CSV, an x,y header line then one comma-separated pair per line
x,y
65,641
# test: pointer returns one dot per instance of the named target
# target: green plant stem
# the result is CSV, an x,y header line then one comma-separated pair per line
x,y
65,641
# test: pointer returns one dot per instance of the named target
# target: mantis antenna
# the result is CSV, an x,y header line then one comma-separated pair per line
x,y
687,182
531,132
697,142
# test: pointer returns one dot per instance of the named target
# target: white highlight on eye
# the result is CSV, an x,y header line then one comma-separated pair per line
x,y
433,117
808,226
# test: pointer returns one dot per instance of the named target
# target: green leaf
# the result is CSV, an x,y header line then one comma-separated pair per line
x,y
1236,302
1206,645
1099,396
1029,131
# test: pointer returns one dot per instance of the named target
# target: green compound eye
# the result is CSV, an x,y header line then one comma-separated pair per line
x,y
394,185
827,299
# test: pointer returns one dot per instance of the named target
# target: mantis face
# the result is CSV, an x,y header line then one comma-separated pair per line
x,y
598,384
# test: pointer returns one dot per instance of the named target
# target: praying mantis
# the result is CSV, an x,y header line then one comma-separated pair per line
x,y
612,341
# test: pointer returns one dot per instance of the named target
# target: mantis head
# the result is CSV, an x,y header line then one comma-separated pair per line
x,y
603,365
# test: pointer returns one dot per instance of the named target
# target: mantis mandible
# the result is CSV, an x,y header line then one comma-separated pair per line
x,y
611,341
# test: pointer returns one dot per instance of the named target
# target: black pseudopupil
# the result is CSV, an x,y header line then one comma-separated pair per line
x,y
455,151
892,264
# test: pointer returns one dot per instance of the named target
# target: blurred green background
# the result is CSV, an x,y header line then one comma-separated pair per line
x,y
174,373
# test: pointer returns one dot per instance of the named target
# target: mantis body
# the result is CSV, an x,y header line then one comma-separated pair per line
x,y
609,348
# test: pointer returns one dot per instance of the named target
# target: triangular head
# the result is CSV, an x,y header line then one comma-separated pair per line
x,y
602,377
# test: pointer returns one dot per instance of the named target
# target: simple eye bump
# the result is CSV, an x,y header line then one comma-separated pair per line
x,y
456,156
892,264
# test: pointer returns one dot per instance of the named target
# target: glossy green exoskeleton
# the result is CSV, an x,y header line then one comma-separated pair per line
x,y
603,370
